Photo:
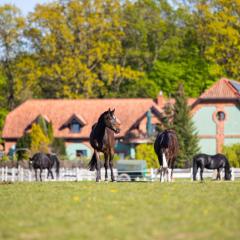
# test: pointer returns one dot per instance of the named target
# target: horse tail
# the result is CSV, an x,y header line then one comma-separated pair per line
x,y
195,167
93,163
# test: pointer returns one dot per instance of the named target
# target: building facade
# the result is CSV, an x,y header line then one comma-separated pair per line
x,y
72,121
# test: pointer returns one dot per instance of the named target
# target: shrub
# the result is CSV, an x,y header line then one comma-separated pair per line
x,y
146,152
39,141
232,152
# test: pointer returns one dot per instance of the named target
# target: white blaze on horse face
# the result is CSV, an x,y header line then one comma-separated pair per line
x,y
165,165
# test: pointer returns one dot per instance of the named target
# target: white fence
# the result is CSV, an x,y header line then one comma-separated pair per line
x,y
79,174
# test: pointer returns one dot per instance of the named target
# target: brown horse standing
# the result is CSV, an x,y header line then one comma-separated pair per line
x,y
166,147
102,140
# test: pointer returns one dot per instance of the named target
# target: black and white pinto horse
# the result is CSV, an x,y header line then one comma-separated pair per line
x,y
44,161
102,140
166,147
218,161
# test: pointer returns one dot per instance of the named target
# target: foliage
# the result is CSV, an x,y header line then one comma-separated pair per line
x,y
146,152
218,27
39,141
184,127
58,146
11,43
232,152
25,143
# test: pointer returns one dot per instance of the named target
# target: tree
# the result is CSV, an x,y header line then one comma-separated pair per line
x,y
184,127
39,141
218,28
146,152
232,152
77,45
24,143
11,42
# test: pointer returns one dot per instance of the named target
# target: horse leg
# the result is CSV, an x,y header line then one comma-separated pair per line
x,y
35,170
201,173
162,174
111,166
169,173
98,166
218,174
41,174
50,171
106,163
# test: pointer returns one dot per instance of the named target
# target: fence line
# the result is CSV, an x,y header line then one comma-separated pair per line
x,y
79,174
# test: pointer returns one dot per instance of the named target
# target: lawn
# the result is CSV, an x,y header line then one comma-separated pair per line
x,y
86,210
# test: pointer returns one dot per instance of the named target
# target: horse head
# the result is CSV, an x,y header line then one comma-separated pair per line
x,y
111,121
228,174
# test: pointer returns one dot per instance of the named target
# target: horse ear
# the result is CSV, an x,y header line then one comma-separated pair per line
x,y
109,110
113,111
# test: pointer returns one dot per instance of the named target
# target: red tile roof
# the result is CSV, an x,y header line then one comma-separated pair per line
x,y
222,89
60,111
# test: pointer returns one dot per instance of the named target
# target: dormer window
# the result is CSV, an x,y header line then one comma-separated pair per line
x,y
75,126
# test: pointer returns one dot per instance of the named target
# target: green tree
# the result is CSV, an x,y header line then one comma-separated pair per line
x,y
58,146
232,152
146,152
184,127
39,141
77,47
218,28
24,143
12,25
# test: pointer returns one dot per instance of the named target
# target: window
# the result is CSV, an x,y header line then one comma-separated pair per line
x,y
75,127
81,153
220,116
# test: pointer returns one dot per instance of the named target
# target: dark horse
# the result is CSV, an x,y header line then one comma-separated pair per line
x,y
166,147
44,161
218,161
102,140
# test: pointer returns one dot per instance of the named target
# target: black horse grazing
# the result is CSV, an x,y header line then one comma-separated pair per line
x,y
102,140
166,147
44,161
218,161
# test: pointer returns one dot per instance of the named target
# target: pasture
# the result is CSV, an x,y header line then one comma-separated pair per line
x,y
124,211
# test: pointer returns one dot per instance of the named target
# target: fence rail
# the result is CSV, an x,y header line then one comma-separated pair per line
x,y
79,174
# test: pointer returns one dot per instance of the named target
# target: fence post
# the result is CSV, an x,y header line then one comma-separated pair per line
x,y
6,174
191,174
233,175
13,174
151,174
2,171
29,175
22,174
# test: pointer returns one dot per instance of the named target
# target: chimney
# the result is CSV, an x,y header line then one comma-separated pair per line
x,y
160,99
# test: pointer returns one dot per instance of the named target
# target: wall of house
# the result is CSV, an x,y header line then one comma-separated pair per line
x,y
232,123
73,147
212,132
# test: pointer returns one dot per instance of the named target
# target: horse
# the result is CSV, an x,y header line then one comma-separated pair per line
x,y
218,161
102,140
44,161
166,147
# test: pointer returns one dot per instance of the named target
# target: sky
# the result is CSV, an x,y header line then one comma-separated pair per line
x,y
26,6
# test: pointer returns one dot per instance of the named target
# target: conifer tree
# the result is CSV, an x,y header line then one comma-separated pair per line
x,y
184,127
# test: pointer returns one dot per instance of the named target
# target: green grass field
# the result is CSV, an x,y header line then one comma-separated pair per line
x,y
86,210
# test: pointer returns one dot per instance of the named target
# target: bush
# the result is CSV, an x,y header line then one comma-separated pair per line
x,y
146,152
39,141
232,152
58,146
